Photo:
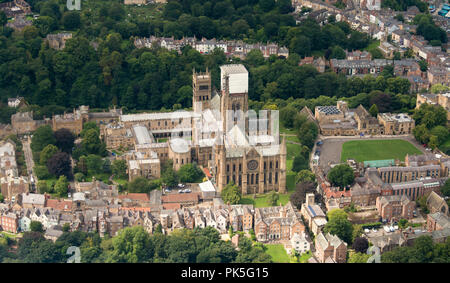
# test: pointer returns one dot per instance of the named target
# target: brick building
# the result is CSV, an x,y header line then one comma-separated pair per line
x,y
395,207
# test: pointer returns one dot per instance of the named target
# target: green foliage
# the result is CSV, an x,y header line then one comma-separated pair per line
x,y
358,258
439,88
79,177
422,251
190,173
305,176
287,116
61,186
371,225
60,164
339,225
119,168
47,153
373,110
445,189
91,143
2,198
42,137
341,176
43,187
231,194
41,172
36,226
300,163
402,5
142,185
273,198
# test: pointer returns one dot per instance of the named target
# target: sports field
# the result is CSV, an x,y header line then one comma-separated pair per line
x,y
377,150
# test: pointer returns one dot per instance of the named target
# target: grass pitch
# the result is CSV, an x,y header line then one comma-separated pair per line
x,y
364,150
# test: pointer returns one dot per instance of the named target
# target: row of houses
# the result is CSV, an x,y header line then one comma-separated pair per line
x,y
231,48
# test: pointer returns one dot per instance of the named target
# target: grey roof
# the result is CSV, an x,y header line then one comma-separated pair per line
x,y
37,199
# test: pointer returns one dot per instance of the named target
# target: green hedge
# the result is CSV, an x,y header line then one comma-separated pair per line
x,y
371,225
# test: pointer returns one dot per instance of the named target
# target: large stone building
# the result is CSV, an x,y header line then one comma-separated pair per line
x,y
396,124
339,120
330,249
234,144
441,99
395,207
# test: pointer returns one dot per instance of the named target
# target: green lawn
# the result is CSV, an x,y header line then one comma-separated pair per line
x,y
278,253
363,150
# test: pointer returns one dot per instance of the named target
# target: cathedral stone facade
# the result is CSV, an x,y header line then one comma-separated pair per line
x,y
220,134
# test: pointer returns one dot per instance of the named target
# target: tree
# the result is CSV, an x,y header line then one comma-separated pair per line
x,y
339,225
3,18
141,185
61,186
402,223
43,187
373,110
305,176
190,173
133,245
360,245
169,176
36,226
119,168
300,163
41,172
2,198
231,194
34,248
433,142
358,257
94,164
71,20
60,164
92,144
273,198
64,140
298,197
47,153
42,137
341,176
287,116
445,189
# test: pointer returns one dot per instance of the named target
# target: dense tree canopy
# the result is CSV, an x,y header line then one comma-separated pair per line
x,y
341,176
339,225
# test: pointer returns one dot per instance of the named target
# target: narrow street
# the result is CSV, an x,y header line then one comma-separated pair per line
x,y
29,159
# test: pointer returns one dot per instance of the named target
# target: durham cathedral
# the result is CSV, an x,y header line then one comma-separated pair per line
x,y
220,134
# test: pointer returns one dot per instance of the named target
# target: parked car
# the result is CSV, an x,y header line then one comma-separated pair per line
x,y
187,191
180,191
181,185
168,190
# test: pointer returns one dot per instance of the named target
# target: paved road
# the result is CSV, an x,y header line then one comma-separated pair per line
x,y
332,147
29,158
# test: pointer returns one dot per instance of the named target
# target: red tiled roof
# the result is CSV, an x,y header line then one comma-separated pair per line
x,y
336,194
180,198
59,204
171,206
207,172
135,196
